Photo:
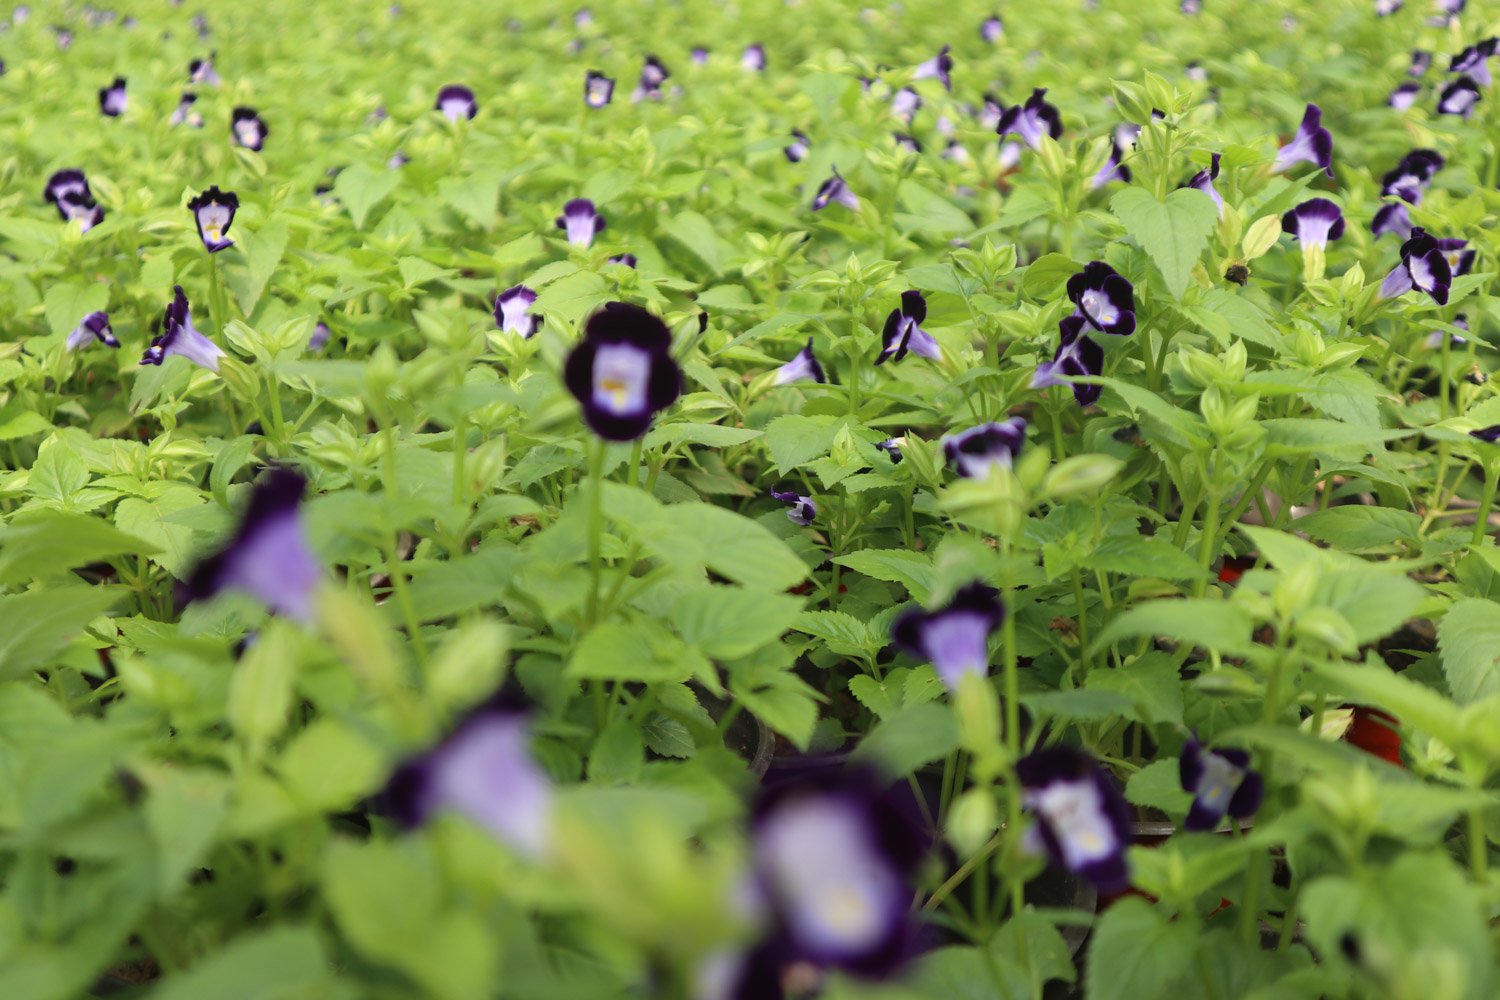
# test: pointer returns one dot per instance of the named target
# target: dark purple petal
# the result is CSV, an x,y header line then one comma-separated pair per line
x,y
1490,435
1105,299
892,447
1248,796
213,213
456,101
622,372
1420,61
803,366
1314,222
512,311
598,89
248,129
939,66
1404,96
954,638
1312,144
580,222
992,29
803,510
834,189
1459,98
975,451
112,100
1082,818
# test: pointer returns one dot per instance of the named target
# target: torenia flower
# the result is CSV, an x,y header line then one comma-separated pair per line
x,y
598,89
485,771
184,113
699,56
1221,783
1422,266
892,447
622,371
1314,222
803,366
1436,337
1420,62
908,143
906,103
94,326
754,57
1312,144
179,337
1385,8
1032,120
1083,823
992,29
1203,181
1113,169
1489,435
938,67
1404,96
249,131
803,511
625,259
1459,98
112,98
954,638
1391,218
580,222
1103,298
320,337
1459,257
1077,354
974,452
456,101
202,71
834,189
512,311
1475,61
269,555
903,331
653,75
69,191
213,211
798,149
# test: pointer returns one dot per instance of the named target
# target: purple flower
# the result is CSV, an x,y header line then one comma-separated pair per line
x,y
179,337
456,101
1076,355
1203,181
1221,783
268,555
112,98
1031,120
622,371
1489,435
213,212
625,259
1436,337
1083,823
754,57
906,103
991,112
798,149
396,162
202,71
583,17
803,510
1408,179
653,75
699,56
1475,61
1314,222
580,221
804,365
1459,98
1422,266
939,66
907,143
954,638
511,311
69,191
1385,8
1312,144
903,331
992,29
94,326
1460,259
1191,8
974,452
1195,72
1420,62
1113,169
832,856
249,131
834,189
1392,218
485,771
320,337
184,113
598,89
1103,298
892,447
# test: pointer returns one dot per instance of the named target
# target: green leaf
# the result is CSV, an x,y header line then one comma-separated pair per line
x,y
35,625
231,458
263,249
1047,274
795,440
874,695
1135,951
694,534
1469,639
147,519
1357,528
910,737
618,755
360,188
913,570
328,766
1173,232
628,652
1158,785
260,693
18,422
282,962
1213,624
416,271
67,303
668,737
1151,683
184,810
844,634
1138,555
726,622
696,233
475,197
60,542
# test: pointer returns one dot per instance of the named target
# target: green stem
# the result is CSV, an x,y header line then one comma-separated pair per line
x,y
1478,847
957,878
1207,542
1482,523
460,457
596,523
1083,622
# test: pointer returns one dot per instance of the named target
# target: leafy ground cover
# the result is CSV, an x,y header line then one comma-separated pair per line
x,y
749,500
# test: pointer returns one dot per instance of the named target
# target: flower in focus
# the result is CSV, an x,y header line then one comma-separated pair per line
x,y
1076,355
834,189
1408,181
622,371
1221,783
1314,222
803,510
485,771
1422,266
798,149
1083,823
903,331
269,555
94,326
249,131
992,29
1103,298
974,452
803,366
213,212
754,57
1459,256
954,638
1203,181
939,67
456,101
580,222
1031,120
1312,144
1459,98
179,337
112,98
598,89
1475,61
511,311
184,113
